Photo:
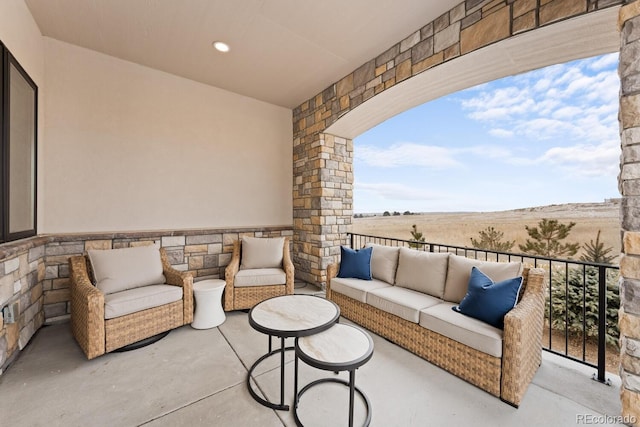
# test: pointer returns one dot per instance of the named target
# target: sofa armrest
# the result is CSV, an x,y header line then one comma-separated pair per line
x,y
230,275
332,271
522,339
87,309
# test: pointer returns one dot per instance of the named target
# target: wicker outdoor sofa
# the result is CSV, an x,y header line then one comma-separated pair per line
x,y
501,362
137,295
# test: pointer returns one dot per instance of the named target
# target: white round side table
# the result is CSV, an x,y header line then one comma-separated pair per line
x,y
208,299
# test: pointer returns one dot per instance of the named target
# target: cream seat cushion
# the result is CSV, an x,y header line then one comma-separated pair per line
x,y
464,329
404,303
117,270
260,277
133,300
356,288
262,252
459,271
422,271
384,262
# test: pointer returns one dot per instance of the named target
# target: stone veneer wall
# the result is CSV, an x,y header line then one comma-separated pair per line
x,y
323,177
35,272
629,182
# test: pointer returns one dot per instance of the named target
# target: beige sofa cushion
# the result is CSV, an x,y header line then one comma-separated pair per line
x,y
459,272
117,270
258,252
422,271
464,329
384,262
133,300
260,277
356,288
402,302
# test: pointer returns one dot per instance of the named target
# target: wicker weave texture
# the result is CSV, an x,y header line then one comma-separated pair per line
x,y
125,330
87,309
522,348
97,336
465,362
507,377
245,297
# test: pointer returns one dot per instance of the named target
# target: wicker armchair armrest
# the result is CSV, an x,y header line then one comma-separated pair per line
x,y
184,279
332,271
87,309
522,339
287,266
230,275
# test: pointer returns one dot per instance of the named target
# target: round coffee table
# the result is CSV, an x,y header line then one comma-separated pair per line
x,y
340,348
285,317
208,297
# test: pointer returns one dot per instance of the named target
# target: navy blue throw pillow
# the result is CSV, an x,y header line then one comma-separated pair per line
x,y
355,264
489,301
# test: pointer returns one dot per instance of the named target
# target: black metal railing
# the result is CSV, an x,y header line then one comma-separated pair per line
x,y
582,300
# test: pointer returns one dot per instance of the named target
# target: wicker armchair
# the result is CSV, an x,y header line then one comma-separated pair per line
x,y
245,297
97,336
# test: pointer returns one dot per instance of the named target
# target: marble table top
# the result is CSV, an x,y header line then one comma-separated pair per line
x,y
293,315
340,345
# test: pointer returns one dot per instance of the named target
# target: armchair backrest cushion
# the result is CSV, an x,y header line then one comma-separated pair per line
x,y
460,270
384,262
422,271
117,270
262,252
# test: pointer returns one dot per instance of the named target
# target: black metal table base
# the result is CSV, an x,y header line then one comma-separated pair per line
x,y
277,406
142,343
352,389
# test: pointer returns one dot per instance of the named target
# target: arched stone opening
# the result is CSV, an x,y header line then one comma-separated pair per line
x,y
475,42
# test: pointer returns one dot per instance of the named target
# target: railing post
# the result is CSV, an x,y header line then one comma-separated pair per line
x,y
352,240
602,325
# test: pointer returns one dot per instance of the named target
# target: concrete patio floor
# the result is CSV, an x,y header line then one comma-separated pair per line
x,y
197,378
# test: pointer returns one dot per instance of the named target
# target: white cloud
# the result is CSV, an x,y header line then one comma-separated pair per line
x,y
585,160
501,133
572,103
429,156
407,154
604,61
394,191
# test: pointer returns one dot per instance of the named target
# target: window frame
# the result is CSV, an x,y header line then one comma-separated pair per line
x,y
8,60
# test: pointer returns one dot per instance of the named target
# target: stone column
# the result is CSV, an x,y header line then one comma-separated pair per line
x,y
629,183
322,202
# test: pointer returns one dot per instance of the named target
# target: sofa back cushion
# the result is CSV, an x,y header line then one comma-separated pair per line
x,y
262,252
460,270
424,272
384,262
117,270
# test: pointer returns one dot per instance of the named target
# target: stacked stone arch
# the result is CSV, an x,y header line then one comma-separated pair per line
x,y
323,161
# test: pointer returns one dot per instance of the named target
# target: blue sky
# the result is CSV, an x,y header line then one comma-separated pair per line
x,y
545,137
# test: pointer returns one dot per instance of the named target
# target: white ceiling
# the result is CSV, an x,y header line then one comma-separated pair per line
x,y
282,51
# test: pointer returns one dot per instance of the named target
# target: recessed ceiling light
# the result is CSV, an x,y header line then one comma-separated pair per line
x,y
221,46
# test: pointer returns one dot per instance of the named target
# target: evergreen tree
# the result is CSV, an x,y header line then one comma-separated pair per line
x,y
546,239
491,239
417,238
596,252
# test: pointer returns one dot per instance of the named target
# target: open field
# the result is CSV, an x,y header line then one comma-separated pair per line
x,y
458,228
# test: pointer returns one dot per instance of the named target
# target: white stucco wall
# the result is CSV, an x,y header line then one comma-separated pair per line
x,y
132,148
